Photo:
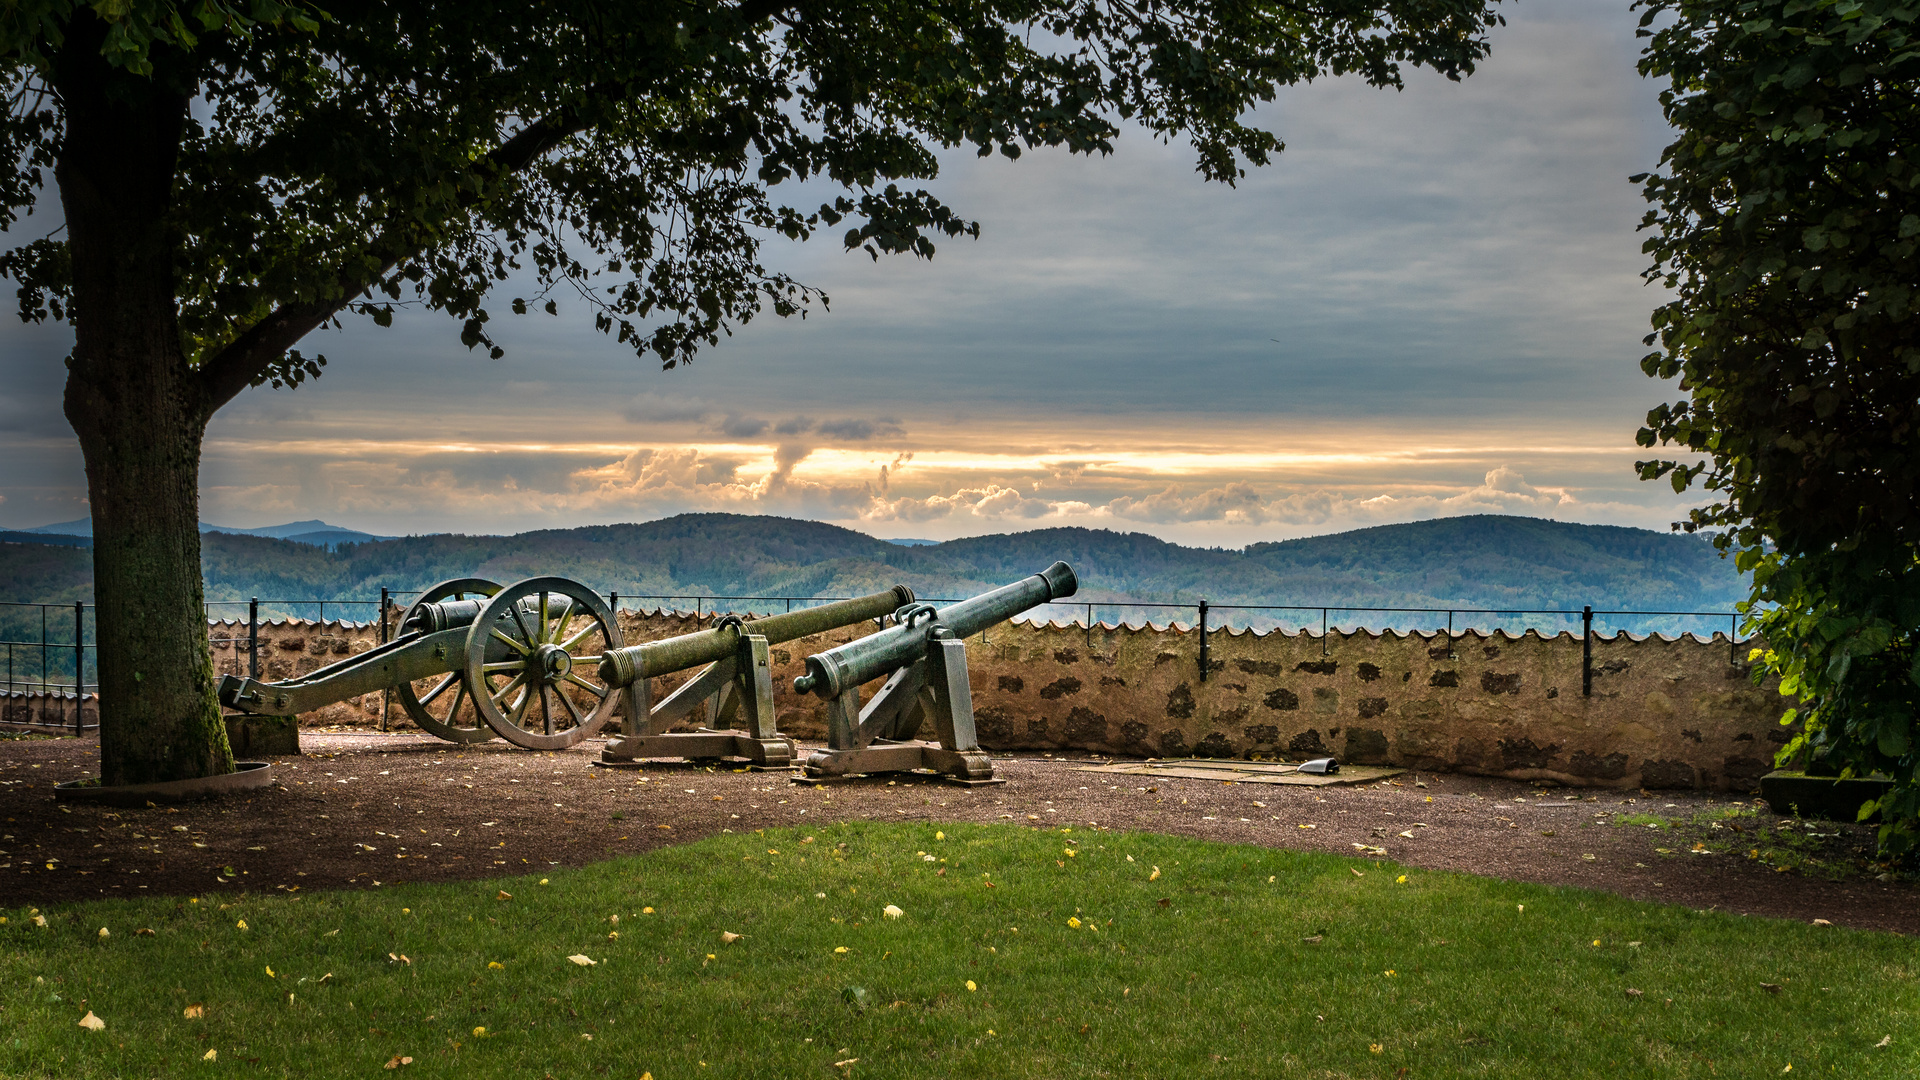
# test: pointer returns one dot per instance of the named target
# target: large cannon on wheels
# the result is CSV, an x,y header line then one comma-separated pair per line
x,y
737,684
925,658
474,660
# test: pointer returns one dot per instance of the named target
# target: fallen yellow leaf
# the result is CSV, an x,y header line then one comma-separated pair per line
x,y
242,924
210,1055
939,836
396,1061
92,1022
1155,876
1073,922
503,895
971,986
103,933
729,936
495,965
839,948
1401,880
270,973
194,1012
891,911
479,1033
646,911
582,960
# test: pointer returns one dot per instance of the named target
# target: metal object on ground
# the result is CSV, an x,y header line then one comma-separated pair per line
x,y
441,705
530,662
1320,766
737,684
456,639
1251,772
925,660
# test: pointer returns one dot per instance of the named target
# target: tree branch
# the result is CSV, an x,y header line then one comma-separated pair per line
x,y
247,357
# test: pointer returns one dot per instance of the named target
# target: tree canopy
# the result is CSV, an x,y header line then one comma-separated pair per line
x,y
1785,221
236,173
627,154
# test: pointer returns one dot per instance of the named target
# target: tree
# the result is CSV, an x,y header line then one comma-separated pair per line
x,y
1785,221
236,173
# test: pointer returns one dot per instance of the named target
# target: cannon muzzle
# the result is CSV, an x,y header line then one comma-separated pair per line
x,y
832,673
623,667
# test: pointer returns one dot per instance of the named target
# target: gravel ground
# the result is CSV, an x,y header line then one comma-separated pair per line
x,y
364,809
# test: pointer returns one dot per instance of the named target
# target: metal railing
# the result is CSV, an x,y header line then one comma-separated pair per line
x,y
54,660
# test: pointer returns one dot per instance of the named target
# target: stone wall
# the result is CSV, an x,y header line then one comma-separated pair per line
x,y
1665,713
290,648
49,710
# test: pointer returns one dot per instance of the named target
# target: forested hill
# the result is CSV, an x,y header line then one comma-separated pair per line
x,y
1465,562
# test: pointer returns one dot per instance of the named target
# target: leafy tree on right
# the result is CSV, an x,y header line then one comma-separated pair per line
x,y
1785,224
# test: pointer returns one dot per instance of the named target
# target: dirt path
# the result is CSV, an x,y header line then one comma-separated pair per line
x,y
360,810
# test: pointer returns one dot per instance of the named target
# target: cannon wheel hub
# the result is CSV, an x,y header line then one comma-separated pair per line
x,y
554,662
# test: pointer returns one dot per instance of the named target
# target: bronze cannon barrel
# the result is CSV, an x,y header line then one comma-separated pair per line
x,y
622,667
831,673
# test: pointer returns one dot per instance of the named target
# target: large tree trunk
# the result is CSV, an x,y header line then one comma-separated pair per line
x,y
141,413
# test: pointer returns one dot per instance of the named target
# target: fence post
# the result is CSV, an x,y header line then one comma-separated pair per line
x,y
1586,651
1203,639
253,638
1733,651
1089,627
1323,631
385,599
613,604
79,664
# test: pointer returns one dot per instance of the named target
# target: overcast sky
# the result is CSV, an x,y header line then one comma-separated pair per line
x,y
1429,305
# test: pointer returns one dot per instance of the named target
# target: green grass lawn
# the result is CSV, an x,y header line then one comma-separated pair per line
x,y
1235,961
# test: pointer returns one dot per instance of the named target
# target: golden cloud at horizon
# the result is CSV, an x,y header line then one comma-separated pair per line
x,y
947,483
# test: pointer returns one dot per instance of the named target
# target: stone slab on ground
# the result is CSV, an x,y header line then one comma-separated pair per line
x,y
1248,772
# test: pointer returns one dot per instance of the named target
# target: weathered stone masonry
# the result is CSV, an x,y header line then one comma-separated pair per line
x,y
1665,713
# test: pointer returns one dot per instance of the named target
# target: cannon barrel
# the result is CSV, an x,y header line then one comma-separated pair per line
x,y
622,667
833,672
450,614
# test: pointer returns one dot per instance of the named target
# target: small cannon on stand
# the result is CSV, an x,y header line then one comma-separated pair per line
x,y
738,680
927,657
499,651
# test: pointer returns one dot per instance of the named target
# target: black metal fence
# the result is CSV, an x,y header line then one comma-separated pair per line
x,y
46,648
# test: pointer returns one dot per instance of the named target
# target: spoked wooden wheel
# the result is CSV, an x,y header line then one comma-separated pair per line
x,y
443,705
532,663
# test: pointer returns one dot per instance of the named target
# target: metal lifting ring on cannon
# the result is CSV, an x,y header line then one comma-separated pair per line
x,y
545,692
461,721
909,613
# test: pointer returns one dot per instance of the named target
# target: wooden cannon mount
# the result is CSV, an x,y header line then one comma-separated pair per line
x,y
736,686
924,657
473,660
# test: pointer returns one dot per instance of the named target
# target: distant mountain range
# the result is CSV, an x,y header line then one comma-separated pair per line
x,y
1506,563
314,531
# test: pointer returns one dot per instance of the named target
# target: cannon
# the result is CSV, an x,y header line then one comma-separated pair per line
x,y
924,658
473,660
737,683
